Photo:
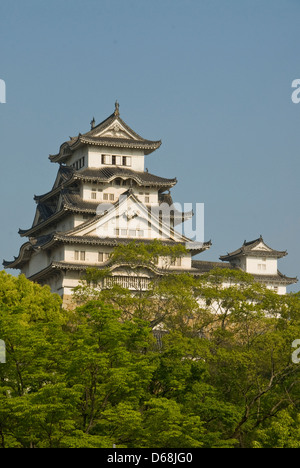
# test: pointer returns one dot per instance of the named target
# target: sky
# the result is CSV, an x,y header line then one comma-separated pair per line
x,y
211,78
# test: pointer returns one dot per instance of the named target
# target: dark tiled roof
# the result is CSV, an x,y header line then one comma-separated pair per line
x,y
178,216
111,242
74,202
91,137
204,266
43,274
23,257
107,174
248,249
147,145
279,278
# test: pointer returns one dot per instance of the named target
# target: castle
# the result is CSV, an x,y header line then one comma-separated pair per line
x,y
103,196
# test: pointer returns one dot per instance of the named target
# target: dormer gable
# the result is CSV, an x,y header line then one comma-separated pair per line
x,y
113,132
255,248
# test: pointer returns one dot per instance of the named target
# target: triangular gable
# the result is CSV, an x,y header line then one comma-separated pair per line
x,y
125,217
58,181
43,211
115,130
37,218
262,247
64,174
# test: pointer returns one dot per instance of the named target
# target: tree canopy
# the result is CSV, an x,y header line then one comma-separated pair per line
x,y
186,364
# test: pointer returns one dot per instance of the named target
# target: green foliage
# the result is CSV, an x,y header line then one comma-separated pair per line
x,y
136,254
186,364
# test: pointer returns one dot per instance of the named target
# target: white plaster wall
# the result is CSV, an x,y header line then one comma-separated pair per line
x,y
121,223
91,256
112,188
38,262
281,290
95,153
69,281
55,283
101,188
278,289
79,219
41,259
78,154
142,192
91,253
186,263
253,266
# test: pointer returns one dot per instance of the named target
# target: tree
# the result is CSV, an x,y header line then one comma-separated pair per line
x,y
250,353
220,375
31,325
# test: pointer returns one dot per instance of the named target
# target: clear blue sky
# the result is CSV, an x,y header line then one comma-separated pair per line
x,y
211,78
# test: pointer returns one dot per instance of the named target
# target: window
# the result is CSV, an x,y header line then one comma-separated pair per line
x,y
94,194
123,232
82,255
106,159
176,261
117,232
147,199
103,256
126,160
108,196
113,160
132,232
79,255
79,163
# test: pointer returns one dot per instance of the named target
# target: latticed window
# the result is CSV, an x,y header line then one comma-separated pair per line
x,y
129,282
